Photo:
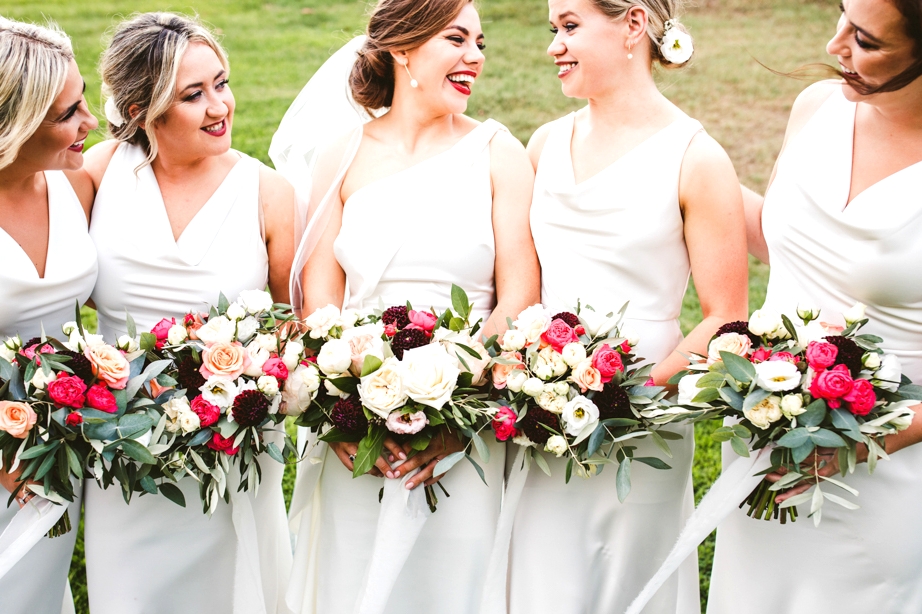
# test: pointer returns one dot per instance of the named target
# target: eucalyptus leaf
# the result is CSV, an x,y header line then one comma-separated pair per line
x,y
801,452
814,414
739,446
137,451
738,367
652,461
477,468
794,438
827,439
172,492
481,446
448,462
542,463
623,480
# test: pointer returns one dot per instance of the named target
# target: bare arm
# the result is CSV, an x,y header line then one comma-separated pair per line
x,y
277,199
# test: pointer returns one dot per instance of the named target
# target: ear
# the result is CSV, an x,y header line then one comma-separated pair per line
x,y
636,22
400,57
133,111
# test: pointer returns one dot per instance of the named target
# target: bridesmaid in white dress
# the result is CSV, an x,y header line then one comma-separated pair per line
x,y
48,260
430,198
180,217
631,195
841,223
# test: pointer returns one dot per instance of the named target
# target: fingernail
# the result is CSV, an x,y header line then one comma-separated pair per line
x,y
390,474
390,458
396,474
409,485
403,456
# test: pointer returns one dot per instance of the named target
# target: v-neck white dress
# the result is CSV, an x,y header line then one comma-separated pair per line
x,y
153,556
827,254
27,304
615,237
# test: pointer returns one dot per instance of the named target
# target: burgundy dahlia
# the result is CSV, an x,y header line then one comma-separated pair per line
x,y
348,416
408,339
189,377
79,364
850,353
250,408
398,316
531,424
741,328
613,402
570,318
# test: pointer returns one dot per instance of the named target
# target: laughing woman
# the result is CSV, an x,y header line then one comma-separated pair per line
x,y
48,260
180,217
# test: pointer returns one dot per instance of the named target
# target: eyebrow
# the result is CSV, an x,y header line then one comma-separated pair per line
x,y
567,14
200,84
463,30
866,34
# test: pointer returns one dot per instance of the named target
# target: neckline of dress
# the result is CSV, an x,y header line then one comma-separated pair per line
x,y
412,166
614,163
51,227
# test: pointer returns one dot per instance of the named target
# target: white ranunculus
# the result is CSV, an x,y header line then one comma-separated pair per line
x,y
68,327
217,329
268,385
175,409
531,386
515,380
335,356
814,331
579,413
533,321
765,412
177,334
556,445
903,421
176,406
573,354
40,380
688,388
792,405
733,343
513,340
554,361
258,357
267,341
235,311
292,355
561,389
777,375
255,301
75,342
220,391
677,46
807,313
765,323
597,324
871,360
127,344
246,328
890,373
300,389
543,370
383,391
189,422
331,388
855,313
430,375
321,321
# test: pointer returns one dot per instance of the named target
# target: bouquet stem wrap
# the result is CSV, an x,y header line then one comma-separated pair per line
x,y
734,485
28,526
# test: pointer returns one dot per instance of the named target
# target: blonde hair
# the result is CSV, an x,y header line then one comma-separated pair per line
x,y
658,13
33,69
139,69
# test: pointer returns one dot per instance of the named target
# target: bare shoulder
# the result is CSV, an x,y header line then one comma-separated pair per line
x,y
807,104
83,186
536,143
97,158
705,155
504,143
272,184
508,159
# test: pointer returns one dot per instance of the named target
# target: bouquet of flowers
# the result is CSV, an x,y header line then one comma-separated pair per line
x,y
797,389
571,389
219,397
66,407
398,372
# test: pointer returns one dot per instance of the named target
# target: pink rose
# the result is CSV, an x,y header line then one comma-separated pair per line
x,y
109,365
785,356
390,330
34,349
558,334
226,359
406,424
74,418
504,423
67,391
832,385
222,444
276,368
607,361
161,331
500,373
422,320
761,355
821,354
207,413
17,418
861,398
99,397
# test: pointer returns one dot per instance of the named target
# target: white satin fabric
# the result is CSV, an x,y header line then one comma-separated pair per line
x,y
38,581
830,255
153,556
615,237
408,236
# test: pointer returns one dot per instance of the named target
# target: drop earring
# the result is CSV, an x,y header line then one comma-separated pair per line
x,y
630,55
413,82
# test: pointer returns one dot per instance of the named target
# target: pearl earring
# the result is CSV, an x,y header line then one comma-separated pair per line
x,y
413,82
630,56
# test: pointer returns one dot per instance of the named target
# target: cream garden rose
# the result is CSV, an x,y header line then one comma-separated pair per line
x,y
226,359
17,418
364,341
384,391
300,389
765,412
335,356
322,321
586,376
764,322
573,354
532,322
217,329
109,365
430,375
255,301
733,343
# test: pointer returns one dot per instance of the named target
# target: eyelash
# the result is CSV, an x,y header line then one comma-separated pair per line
x,y
568,27
861,43
196,95
460,41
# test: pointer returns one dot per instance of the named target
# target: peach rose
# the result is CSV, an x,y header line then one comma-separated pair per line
x,y
226,359
501,373
586,376
16,419
728,342
109,365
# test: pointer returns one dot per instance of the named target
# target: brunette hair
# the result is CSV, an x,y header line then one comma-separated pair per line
x,y
658,13
395,25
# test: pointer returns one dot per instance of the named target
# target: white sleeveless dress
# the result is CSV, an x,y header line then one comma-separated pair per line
x,y
615,237
830,255
153,556
408,236
27,303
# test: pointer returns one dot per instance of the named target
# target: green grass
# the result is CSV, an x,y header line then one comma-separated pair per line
x,y
274,48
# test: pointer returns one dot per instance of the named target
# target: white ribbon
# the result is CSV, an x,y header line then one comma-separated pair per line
x,y
736,482
248,588
28,526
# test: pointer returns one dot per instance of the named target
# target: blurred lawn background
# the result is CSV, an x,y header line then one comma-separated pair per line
x,y
275,47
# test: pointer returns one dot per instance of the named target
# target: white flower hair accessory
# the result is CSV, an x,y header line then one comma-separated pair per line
x,y
112,115
677,45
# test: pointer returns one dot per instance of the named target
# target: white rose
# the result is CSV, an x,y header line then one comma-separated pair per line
x,y
331,389
292,355
255,301
40,380
573,354
578,414
177,334
217,329
219,391
854,314
189,422
597,324
127,344
321,321
733,343
267,341
765,412
807,313
814,331
268,385
513,340
7,354
246,328
677,46
871,360
533,321
688,388
430,375
515,380
258,357
335,356
764,322
556,445
890,373
176,406
93,341
792,405
364,341
630,334
301,388
531,386
547,400
68,327
347,318
383,391
776,375
235,311
75,342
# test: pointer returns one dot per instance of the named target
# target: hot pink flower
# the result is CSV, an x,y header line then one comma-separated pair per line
x,y
99,397
34,349
559,334
504,423
390,330
161,331
422,320
207,413
832,385
67,391
861,398
821,354
74,418
761,355
607,361
625,347
275,367
222,444
785,356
